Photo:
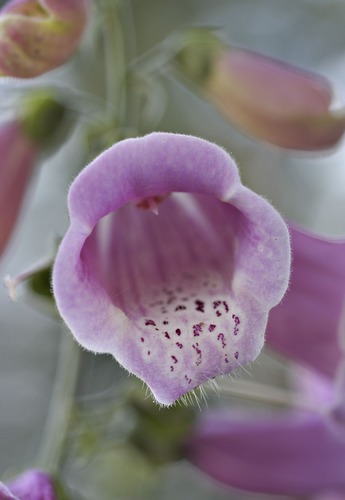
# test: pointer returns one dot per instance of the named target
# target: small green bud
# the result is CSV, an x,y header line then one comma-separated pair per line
x,y
199,48
42,116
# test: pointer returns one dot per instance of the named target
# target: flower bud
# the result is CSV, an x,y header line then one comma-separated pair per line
x,y
21,141
270,100
37,36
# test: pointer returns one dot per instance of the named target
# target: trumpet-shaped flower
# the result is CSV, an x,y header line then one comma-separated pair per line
x,y
295,453
36,36
306,325
31,485
266,98
170,264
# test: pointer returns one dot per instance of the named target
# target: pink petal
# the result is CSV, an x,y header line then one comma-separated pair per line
x,y
37,36
177,297
5,493
305,326
18,155
275,102
293,454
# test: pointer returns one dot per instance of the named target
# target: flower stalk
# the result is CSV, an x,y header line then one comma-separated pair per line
x,y
54,436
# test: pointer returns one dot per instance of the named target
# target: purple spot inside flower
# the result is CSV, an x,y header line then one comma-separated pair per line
x,y
150,322
142,339
174,358
211,328
197,329
180,307
166,334
199,353
179,345
221,337
178,331
200,305
236,355
237,322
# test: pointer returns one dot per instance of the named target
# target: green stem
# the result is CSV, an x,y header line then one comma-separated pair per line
x,y
256,391
115,64
55,432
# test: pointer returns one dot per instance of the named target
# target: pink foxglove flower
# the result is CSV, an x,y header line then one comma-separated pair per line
x,y
291,454
31,485
266,98
170,264
18,156
305,327
37,36
295,453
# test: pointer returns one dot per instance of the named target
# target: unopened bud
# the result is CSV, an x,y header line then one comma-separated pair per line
x,y
37,36
268,99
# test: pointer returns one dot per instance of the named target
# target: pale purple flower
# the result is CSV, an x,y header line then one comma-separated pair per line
x,y
291,453
170,264
37,36
18,156
31,485
305,327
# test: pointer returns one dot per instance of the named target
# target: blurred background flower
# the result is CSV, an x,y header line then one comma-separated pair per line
x,y
37,36
31,485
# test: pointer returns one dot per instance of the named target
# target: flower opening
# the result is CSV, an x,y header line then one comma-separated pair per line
x,y
182,296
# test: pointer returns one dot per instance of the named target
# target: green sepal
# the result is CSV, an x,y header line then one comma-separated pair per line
x,y
160,433
195,58
40,283
42,115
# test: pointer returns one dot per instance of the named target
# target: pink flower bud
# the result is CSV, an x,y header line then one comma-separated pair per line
x,y
21,140
275,102
267,99
39,35
18,155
